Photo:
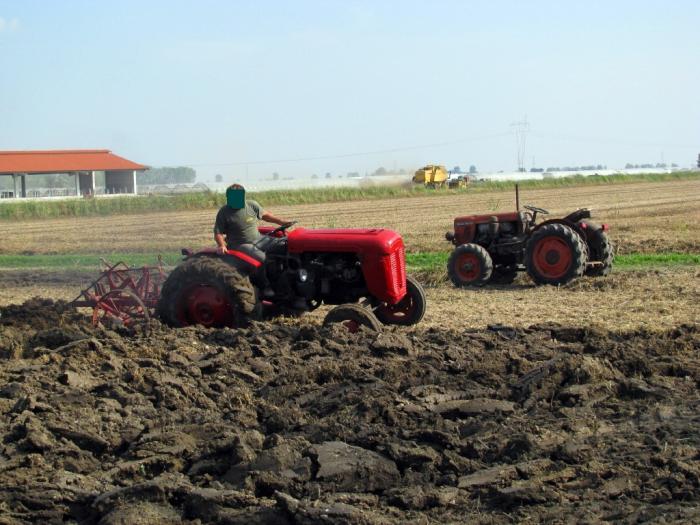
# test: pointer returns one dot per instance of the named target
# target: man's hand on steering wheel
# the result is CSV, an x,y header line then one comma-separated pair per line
x,y
535,209
283,227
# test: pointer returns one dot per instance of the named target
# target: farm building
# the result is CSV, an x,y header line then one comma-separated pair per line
x,y
118,174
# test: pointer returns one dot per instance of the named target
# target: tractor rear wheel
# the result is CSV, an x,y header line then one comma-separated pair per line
x,y
409,310
209,292
599,250
352,317
469,265
555,254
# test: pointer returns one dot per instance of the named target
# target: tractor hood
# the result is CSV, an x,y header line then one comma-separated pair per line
x,y
365,241
482,219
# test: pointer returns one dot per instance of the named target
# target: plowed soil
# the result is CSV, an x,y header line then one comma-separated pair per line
x,y
294,423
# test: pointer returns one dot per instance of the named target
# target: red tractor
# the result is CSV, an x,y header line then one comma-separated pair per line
x,y
493,248
304,268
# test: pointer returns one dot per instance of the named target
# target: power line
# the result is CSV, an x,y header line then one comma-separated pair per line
x,y
604,140
354,154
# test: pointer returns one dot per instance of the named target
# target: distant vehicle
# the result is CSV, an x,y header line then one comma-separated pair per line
x,y
431,176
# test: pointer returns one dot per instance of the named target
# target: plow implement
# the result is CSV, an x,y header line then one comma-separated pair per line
x,y
123,294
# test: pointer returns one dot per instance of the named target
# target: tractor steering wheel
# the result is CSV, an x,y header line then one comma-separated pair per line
x,y
282,228
535,209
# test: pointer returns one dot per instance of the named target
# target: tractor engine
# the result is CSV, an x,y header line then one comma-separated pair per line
x,y
333,278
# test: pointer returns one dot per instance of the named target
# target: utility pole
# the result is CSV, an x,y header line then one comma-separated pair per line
x,y
522,128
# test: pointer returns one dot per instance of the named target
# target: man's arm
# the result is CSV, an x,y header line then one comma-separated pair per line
x,y
220,242
219,237
268,217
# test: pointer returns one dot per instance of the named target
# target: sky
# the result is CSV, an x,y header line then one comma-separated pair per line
x,y
248,88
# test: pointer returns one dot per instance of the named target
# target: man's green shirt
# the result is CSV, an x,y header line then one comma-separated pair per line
x,y
240,226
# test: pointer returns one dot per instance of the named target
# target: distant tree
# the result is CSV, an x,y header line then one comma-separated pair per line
x,y
472,169
275,176
456,169
380,171
328,175
314,176
352,174
674,165
219,177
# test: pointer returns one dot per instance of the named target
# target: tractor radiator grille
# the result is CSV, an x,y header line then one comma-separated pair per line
x,y
398,270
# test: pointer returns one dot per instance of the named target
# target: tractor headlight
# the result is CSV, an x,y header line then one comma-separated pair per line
x,y
450,236
303,276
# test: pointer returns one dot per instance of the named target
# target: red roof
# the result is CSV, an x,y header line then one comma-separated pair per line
x,y
63,161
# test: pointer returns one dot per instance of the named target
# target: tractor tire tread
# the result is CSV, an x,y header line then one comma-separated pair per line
x,y
208,270
353,312
485,260
600,249
578,248
417,293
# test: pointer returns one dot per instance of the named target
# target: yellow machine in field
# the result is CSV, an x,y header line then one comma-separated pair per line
x,y
433,176
436,176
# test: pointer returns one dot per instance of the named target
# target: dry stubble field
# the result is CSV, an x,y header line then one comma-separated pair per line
x,y
291,423
644,218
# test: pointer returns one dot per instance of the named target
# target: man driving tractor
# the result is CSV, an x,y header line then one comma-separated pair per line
x,y
236,226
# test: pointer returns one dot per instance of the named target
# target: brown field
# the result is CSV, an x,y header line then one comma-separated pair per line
x,y
644,217
626,300
475,415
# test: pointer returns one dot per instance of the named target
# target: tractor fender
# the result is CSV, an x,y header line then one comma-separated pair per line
x,y
576,216
573,225
594,226
241,261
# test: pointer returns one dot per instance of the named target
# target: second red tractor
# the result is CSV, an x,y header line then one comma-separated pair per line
x,y
493,248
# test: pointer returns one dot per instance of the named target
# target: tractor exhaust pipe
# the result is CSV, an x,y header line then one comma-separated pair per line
x,y
517,198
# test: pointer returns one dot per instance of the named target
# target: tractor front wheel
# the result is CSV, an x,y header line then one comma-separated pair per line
x,y
209,292
352,317
469,265
409,310
555,254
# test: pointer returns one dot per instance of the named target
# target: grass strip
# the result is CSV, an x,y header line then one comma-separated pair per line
x,y
427,261
123,205
434,260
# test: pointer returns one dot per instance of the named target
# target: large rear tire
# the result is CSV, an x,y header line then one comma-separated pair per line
x,y
409,310
209,292
600,250
469,265
555,254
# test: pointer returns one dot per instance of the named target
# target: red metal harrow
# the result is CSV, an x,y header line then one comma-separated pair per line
x,y
122,293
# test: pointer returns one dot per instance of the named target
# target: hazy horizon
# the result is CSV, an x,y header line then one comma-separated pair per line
x,y
313,87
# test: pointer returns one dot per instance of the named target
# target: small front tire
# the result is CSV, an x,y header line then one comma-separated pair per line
x,y
409,310
352,317
469,265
